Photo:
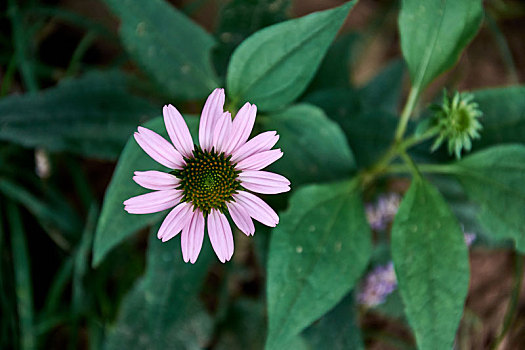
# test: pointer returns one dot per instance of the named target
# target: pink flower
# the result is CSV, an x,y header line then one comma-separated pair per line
x,y
209,180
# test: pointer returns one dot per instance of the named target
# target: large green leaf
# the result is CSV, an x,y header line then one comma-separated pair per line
x,y
314,147
92,115
493,179
273,66
170,47
317,253
433,34
431,262
114,224
163,310
503,115
238,19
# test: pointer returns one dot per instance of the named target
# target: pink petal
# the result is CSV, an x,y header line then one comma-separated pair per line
x,y
257,208
261,142
259,160
158,148
222,131
153,202
241,127
241,218
213,108
156,180
220,234
264,182
178,130
175,221
192,236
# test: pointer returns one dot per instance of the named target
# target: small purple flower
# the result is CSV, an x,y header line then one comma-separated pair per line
x,y
378,284
383,211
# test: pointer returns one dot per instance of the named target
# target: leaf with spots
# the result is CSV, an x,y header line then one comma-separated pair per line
x,y
317,253
431,263
170,47
315,148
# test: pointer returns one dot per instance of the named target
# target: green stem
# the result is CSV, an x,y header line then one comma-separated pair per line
x,y
407,112
394,151
79,52
512,309
23,283
8,77
424,168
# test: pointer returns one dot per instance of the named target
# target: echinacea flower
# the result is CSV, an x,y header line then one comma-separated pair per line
x,y
209,180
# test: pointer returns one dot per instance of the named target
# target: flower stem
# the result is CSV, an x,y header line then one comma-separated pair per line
x,y
407,112
424,168
510,315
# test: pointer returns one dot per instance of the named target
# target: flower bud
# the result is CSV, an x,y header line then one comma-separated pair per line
x,y
457,120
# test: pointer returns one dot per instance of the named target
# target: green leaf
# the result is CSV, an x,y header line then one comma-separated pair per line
x,y
170,47
317,253
238,19
273,66
503,115
431,262
493,179
337,329
91,116
314,147
114,224
163,310
433,34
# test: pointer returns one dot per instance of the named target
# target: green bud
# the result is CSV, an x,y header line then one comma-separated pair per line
x,y
457,121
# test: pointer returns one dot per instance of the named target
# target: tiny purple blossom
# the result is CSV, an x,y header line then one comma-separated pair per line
x,y
383,211
378,284
208,180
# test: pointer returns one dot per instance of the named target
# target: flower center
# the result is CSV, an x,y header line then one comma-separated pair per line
x,y
208,180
